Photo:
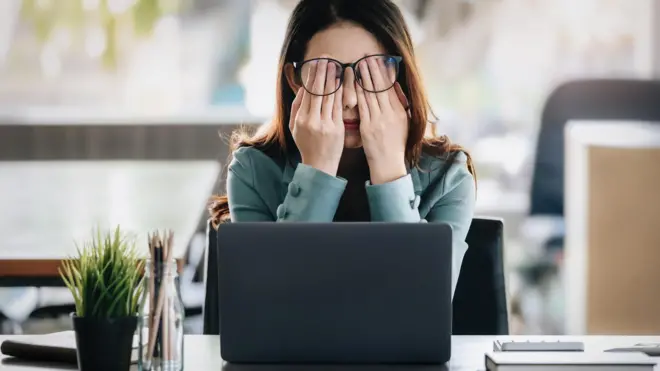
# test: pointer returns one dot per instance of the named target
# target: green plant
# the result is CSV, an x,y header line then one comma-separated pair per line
x,y
106,276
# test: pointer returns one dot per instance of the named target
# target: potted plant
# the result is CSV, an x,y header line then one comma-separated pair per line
x,y
106,282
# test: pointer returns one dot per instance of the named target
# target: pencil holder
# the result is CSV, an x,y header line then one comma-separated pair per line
x,y
162,313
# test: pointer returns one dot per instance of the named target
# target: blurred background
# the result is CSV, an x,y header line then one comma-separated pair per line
x,y
113,112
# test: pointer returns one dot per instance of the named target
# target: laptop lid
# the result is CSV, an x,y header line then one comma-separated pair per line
x,y
335,292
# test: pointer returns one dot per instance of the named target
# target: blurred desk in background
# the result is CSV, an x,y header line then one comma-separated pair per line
x,y
65,171
76,134
48,206
612,219
500,202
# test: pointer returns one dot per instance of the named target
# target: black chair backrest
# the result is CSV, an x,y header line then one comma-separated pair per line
x,y
479,306
594,99
480,300
211,311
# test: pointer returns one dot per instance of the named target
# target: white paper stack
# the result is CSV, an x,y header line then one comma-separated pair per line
x,y
568,361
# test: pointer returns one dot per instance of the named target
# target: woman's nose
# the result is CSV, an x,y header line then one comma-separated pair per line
x,y
349,98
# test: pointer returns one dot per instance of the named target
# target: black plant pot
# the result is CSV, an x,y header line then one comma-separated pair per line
x,y
104,344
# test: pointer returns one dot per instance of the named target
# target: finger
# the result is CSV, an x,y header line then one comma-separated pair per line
x,y
338,108
367,82
401,95
330,86
397,106
378,79
399,99
319,86
309,81
365,75
363,106
295,107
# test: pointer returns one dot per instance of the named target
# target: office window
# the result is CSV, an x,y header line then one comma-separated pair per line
x,y
488,64
143,56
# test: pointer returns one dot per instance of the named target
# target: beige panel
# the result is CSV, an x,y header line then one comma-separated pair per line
x,y
623,278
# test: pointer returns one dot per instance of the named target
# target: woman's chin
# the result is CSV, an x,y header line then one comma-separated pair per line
x,y
352,140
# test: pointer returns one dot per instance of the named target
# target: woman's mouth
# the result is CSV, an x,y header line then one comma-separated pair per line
x,y
351,124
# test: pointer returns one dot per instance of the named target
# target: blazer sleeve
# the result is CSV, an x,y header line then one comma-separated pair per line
x,y
312,195
456,208
394,201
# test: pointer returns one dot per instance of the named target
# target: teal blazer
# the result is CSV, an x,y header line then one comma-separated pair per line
x,y
261,188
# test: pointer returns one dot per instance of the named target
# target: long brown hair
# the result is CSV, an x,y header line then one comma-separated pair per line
x,y
384,20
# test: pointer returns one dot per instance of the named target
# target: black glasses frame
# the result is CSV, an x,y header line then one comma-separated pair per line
x,y
297,66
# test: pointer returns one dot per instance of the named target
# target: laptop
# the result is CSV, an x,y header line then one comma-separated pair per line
x,y
335,293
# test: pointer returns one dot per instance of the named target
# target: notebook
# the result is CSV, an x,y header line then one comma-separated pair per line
x,y
568,361
651,349
537,346
56,347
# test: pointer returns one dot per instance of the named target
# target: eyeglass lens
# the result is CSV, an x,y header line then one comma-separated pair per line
x,y
374,74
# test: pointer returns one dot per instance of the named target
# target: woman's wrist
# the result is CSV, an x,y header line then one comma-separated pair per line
x,y
324,166
387,172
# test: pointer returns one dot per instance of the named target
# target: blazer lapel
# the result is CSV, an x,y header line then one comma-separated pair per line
x,y
417,183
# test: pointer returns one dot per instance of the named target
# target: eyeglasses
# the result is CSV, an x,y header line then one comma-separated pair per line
x,y
374,73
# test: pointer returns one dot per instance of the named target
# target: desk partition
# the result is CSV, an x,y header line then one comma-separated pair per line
x,y
612,267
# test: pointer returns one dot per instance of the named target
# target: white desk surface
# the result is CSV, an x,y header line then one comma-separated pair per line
x,y
203,353
47,206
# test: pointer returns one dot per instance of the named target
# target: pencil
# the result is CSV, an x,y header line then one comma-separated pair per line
x,y
159,305
167,333
158,293
166,330
154,283
151,272
173,338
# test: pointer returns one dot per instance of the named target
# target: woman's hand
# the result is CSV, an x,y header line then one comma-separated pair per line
x,y
383,124
316,121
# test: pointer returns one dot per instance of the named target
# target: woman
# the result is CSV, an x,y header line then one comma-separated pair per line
x,y
347,142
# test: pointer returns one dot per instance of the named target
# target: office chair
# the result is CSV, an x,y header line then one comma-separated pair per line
x,y
211,309
479,305
480,300
593,99
586,99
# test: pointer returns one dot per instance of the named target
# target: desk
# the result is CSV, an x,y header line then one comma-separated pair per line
x,y
49,205
203,353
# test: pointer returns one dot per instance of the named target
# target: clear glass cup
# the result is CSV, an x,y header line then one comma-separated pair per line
x,y
160,324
